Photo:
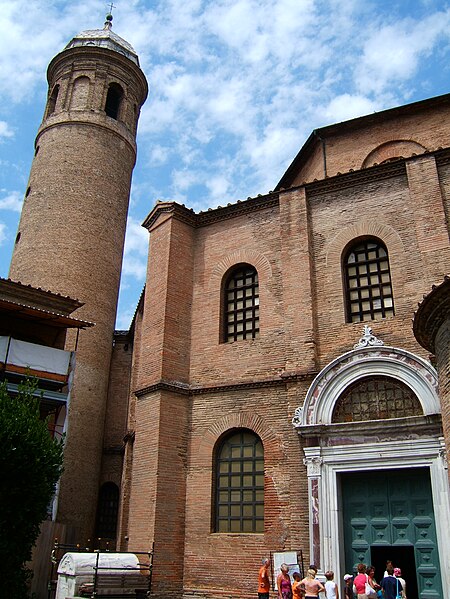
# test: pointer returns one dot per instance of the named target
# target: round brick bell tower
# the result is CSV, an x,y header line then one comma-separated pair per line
x,y
71,233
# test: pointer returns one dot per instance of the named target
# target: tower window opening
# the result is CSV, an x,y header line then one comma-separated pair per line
x,y
36,151
52,100
17,237
28,191
113,100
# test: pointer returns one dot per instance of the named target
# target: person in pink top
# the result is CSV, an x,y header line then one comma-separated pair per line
x,y
360,581
312,586
284,583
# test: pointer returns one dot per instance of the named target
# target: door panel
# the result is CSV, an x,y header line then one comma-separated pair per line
x,y
389,509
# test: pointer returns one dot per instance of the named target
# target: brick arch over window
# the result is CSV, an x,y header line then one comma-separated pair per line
x,y
338,377
259,261
392,149
360,229
208,440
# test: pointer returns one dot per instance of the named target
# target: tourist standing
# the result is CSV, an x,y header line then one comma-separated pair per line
x,y
390,585
348,588
398,575
331,588
312,586
360,581
298,589
284,583
264,579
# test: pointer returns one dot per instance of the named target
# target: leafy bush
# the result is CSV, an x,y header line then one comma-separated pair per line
x,y
30,466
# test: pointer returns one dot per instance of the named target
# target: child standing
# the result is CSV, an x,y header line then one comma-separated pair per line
x,y
331,588
348,589
298,590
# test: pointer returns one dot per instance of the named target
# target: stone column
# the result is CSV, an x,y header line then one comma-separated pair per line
x,y
313,463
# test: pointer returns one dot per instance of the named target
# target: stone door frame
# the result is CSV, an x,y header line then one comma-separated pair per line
x,y
325,464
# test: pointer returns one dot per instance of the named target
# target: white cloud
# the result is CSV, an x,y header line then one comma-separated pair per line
x,y
3,230
348,106
393,52
5,130
135,252
12,201
218,187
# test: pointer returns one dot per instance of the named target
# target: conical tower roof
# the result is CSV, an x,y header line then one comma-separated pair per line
x,y
104,38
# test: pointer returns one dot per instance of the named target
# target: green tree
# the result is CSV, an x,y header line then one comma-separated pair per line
x,y
30,466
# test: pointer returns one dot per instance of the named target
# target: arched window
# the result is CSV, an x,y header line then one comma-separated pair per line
x,y
52,100
107,511
368,281
113,100
239,505
241,304
376,398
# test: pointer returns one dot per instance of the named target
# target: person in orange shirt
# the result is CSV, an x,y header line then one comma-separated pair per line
x,y
264,579
298,589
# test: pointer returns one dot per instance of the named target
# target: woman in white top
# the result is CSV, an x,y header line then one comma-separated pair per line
x,y
331,588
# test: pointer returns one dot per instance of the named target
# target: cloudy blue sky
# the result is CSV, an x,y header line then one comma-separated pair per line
x,y
236,87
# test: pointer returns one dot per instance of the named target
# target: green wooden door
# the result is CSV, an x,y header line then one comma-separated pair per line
x,y
389,509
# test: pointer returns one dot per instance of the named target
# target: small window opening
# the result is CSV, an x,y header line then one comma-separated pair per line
x,y
36,151
52,100
18,237
113,100
28,191
107,511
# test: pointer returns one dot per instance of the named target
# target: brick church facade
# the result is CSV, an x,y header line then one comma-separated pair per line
x,y
270,394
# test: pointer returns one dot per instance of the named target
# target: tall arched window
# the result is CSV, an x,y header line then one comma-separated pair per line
x,y
113,100
241,304
376,398
368,281
239,505
107,511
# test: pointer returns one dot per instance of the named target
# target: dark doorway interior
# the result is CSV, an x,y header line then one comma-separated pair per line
x,y
402,557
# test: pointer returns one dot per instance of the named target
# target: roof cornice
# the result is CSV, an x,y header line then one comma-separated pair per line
x,y
212,215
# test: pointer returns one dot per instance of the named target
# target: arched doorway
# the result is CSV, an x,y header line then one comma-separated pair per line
x,y
375,412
